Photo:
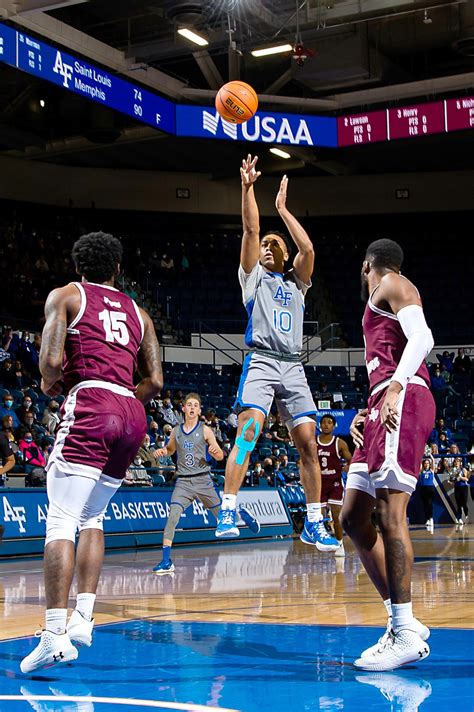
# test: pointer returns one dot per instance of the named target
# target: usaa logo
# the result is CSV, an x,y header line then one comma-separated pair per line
x,y
65,70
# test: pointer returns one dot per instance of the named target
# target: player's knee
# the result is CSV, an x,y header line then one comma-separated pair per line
x,y
308,451
60,525
249,429
389,519
94,522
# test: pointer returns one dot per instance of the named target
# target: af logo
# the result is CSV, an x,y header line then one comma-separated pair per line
x,y
65,70
14,514
284,297
188,445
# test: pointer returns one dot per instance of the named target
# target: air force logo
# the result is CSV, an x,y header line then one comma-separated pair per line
x,y
282,296
65,70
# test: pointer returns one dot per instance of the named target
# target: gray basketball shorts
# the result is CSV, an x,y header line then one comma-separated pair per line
x,y
200,487
265,378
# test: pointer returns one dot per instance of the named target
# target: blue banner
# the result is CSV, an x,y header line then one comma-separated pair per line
x,y
275,128
23,513
343,420
7,45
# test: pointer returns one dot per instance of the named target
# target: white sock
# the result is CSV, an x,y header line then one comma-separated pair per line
x,y
55,620
229,501
388,606
402,616
314,512
85,605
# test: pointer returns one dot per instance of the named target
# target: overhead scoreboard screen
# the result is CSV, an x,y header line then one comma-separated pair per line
x,y
58,67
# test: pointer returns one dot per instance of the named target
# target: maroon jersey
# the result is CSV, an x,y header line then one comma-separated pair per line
x,y
329,458
103,340
384,344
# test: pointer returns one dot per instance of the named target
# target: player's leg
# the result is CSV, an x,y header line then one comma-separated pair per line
x,y
67,496
182,497
304,437
338,532
89,559
250,424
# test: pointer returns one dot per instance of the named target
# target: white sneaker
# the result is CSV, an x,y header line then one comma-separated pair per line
x,y
460,522
401,648
51,650
417,626
406,694
429,524
79,629
340,553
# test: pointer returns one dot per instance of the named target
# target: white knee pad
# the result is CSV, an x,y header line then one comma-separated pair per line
x,y
93,513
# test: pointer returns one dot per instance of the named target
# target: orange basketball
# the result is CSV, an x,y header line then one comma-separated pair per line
x,y
236,102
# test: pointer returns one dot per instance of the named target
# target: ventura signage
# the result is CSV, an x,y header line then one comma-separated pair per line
x,y
292,129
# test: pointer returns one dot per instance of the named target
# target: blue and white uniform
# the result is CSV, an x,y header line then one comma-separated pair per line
x,y
274,335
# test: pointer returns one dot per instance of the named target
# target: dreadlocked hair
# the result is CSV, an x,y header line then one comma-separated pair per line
x,y
97,256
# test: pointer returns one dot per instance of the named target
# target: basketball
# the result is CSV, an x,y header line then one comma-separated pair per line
x,y
236,102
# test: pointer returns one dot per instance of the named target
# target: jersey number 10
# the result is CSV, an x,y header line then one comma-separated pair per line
x,y
115,327
282,320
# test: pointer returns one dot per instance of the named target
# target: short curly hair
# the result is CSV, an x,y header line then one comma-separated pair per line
x,y
97,256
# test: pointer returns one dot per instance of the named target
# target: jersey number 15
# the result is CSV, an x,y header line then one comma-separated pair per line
x,y
115,327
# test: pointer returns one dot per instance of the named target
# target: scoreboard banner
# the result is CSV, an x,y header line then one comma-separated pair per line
x,y
23,512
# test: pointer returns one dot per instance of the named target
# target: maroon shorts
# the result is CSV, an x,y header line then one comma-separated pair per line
x,y
332,491
397,456
100,432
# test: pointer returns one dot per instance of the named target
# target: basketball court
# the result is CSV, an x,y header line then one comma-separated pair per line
x,y
248,626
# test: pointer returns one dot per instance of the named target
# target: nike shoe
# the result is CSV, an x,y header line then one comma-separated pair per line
x,y
52,649
399,649
248,519
422,630
79,629
227,524
404,693
316,533
164,567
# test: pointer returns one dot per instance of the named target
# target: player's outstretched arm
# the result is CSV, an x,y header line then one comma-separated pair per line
x,y
344,451
149,363
213,447
169,449
303,263
250,249
53,339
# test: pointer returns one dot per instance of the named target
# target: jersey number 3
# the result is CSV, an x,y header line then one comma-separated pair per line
x,y
115,327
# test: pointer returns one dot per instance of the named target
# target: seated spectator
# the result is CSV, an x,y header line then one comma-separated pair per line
x,y
51,417
8,431
137,474
252,477
30,451
29,423
153,432
462,362
7,458
21,379
7,375
443,443
7,409
26,407
440,427
147,453
439,385
29,352
446,359
10,341
167,430
279,430
232,423
168,414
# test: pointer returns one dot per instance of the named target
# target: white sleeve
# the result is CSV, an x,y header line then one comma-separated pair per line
x,y
419,342
249,282
302,286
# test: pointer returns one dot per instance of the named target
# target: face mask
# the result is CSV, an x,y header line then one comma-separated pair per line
x,y
28,440
9,403
54,408
27,404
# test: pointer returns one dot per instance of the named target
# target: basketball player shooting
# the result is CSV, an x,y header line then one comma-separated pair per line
x,y
274,300
386,463
94,340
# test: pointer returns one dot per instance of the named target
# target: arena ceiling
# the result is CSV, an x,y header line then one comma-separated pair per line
x,y
367,54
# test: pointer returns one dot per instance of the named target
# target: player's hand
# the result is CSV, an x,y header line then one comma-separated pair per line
x,y
248,172
280,202
214,451
356,427
52,389
389,414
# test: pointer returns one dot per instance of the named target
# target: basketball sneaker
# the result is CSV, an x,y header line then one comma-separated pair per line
x,y
248,519
417,626
400,648
52,649
79,629
316,533
405,694
227,524
164,567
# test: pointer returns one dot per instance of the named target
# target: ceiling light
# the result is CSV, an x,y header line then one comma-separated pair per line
x,y
193,37
277,49
42,103
280,153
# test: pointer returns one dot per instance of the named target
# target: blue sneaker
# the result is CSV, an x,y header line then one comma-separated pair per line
x,y
164,567
316,533
227,524
248,519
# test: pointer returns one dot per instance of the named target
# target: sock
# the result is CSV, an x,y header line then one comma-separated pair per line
x,y
55,620
166,554
229,501
402,616
314,512
85,605
388,605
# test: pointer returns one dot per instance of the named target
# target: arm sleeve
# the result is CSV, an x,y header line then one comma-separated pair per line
x,y
302,286
419,343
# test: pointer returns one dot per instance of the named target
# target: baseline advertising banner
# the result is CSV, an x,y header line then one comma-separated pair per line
x,y
23,513
292,129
